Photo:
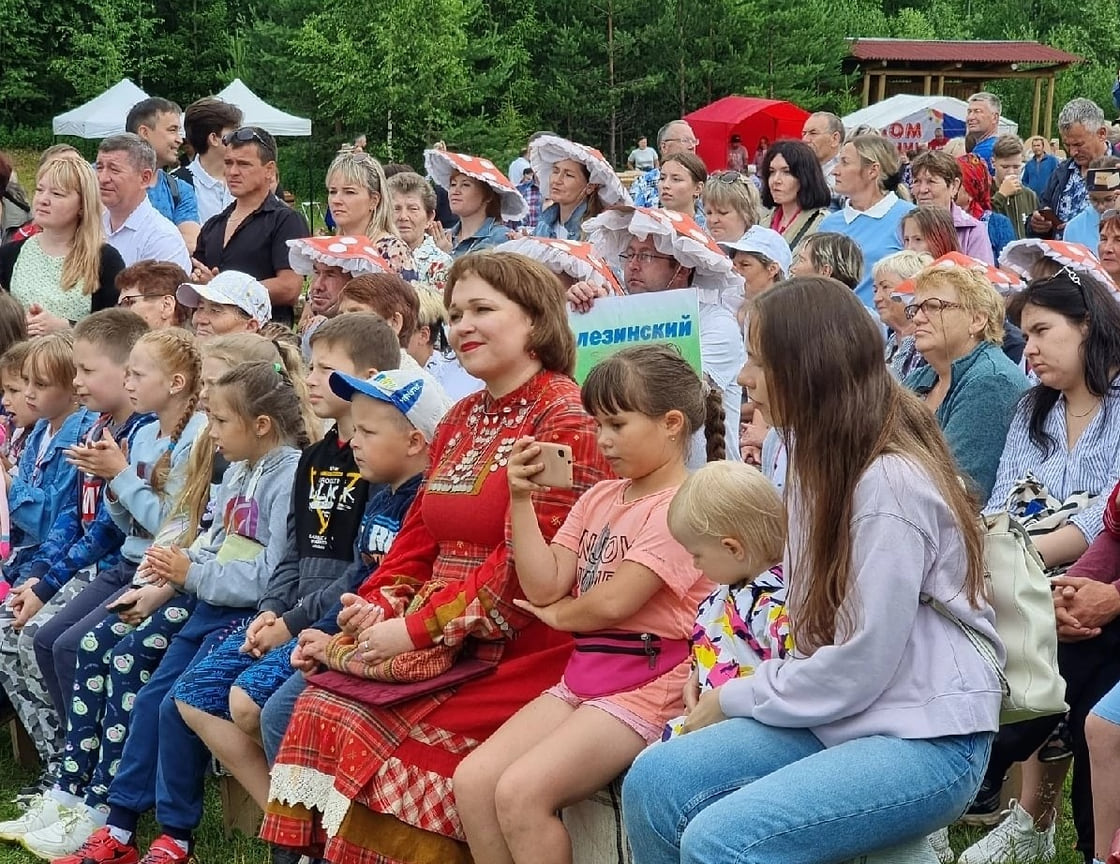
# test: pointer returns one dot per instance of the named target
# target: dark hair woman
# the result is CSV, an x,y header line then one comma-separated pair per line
x,y
793,186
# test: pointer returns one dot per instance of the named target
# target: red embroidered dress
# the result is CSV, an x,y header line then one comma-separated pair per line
x,y
379,779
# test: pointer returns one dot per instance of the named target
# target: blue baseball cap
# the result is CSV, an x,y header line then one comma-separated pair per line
x,y
409,391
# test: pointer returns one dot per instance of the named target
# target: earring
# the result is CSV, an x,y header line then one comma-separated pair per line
x,y
532,354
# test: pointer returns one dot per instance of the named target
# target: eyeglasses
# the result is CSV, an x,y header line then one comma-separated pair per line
x,y
642,258
242,135
930,307
687,142
130,300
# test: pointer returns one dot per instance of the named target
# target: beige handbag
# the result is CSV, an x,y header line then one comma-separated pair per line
x,y
1019,592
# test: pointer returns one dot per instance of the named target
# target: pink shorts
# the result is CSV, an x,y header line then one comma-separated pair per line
x,y
645,710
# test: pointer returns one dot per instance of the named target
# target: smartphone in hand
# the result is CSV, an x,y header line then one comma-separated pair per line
x,y
557,459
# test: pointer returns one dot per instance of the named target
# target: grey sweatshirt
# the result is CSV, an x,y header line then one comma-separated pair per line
x,y
252,503
904,670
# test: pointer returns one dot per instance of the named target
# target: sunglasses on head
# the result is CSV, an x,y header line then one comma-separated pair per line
x,y
729,177
244,135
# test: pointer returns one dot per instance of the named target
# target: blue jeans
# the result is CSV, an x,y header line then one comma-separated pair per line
x,y
276,713
741,792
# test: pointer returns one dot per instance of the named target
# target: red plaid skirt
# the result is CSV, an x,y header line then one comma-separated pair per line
x,y
366,781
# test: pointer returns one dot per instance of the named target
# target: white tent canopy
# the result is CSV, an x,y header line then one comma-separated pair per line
x,y
101,116
911,120
259,113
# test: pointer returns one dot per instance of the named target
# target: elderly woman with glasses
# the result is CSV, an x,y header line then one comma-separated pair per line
x,y
794,188
731,205
970,384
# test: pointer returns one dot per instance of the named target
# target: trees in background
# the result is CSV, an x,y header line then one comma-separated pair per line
x,y
483,74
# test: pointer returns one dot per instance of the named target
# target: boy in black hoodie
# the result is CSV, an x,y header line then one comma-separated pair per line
x,y
329,499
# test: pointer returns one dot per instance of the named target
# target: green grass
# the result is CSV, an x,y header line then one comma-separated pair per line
x,y
212,846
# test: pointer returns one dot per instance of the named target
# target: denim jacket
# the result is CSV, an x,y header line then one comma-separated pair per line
x,y
490,234
76,541
47,487
550,218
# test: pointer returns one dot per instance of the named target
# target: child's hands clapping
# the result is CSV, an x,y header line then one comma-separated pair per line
x,y
104,458
165,564
521,468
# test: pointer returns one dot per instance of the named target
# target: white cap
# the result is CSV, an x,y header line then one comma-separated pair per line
x,y
408,391
230,288
763,241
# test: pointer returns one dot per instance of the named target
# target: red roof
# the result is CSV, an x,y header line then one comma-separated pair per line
x,y
932,51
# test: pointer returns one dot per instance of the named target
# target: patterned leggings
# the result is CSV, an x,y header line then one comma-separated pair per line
x,y
114,661
22,679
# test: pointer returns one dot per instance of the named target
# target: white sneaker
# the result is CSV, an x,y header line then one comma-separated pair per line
x,y
41,812
1014,841
64,837
939,840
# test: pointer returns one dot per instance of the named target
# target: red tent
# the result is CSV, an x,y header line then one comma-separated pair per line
x,y
747,117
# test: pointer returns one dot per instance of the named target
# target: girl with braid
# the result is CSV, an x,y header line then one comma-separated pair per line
x,y
256,421
118,656
143,477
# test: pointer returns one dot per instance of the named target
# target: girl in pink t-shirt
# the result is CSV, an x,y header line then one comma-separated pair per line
x,y
627,591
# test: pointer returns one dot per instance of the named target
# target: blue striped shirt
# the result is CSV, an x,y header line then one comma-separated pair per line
x,y
1092,467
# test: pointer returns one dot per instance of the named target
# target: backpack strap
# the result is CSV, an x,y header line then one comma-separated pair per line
x,y
173,186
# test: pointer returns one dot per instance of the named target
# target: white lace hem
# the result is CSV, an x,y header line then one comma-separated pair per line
x,y
296,784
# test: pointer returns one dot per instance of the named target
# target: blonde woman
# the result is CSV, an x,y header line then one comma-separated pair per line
x,y
359,201
67,270
731,205
870,174
970,384
891,299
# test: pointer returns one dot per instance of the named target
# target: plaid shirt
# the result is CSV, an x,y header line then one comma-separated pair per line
x,y
532,193
72,545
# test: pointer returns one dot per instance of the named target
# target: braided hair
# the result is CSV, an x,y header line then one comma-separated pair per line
x,y
266,389
654,380
176,352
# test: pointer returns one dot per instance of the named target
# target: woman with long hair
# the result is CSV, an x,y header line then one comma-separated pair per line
x,y
803,761
67,270
794,188
870,174
683,176
360,202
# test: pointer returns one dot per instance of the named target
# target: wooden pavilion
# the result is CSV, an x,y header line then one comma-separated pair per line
x,y
948,68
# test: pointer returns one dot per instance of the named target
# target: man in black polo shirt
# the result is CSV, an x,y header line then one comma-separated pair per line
x,y
252,234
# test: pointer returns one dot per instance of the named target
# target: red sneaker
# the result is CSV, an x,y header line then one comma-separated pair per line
x,y
164,850
102,848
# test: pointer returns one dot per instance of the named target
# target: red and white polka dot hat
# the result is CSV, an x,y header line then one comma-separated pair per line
x,y
441,164
354,254
1022,255
570,257
547,150
674,234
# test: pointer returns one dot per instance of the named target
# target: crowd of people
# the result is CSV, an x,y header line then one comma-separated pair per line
x,y
333,511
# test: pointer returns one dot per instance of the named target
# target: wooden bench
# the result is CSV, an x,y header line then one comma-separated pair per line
x,y
23,748
239,811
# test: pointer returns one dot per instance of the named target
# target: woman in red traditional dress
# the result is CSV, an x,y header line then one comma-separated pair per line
x,y
372,784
